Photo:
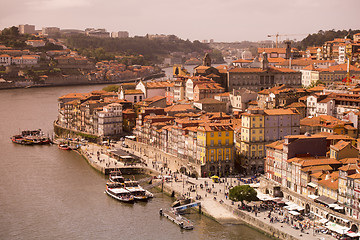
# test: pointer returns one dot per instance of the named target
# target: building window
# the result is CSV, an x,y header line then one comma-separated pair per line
x,y
212,134
212,143
227,141
219,134
219,142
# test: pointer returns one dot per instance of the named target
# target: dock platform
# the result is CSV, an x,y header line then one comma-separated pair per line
x,y
177,218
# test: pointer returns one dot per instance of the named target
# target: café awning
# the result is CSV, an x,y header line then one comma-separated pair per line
x,y
323,220
336,228
325,200
313,185
352,234
294,213
312,196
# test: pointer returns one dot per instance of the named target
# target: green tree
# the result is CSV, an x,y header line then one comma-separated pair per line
x,y
243,192
111,88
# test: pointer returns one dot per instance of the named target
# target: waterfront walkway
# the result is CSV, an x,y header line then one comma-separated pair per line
x,y
222,209
215,204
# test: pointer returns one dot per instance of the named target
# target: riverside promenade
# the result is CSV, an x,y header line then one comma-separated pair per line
x,y
215,204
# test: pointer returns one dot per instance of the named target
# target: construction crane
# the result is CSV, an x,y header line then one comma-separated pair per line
x,y
277,36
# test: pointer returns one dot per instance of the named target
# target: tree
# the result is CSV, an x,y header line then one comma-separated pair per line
x,y
241,193
111,88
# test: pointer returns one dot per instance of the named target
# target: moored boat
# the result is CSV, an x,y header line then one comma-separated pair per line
x,y
30,137
64,147
18,139
119,193
115,176
135,189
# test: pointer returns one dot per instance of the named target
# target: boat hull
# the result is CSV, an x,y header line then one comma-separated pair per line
x,y
129,200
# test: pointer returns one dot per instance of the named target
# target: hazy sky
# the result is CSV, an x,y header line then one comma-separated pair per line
x,y
221,20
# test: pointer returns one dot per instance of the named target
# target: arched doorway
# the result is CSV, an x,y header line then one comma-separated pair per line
x,y
212,170
307,208
354,228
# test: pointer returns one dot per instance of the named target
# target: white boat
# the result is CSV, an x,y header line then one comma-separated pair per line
x,y
138,192
115,176
120,194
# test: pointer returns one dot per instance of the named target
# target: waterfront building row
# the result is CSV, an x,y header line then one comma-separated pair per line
x,y
317,167
206,140
99,113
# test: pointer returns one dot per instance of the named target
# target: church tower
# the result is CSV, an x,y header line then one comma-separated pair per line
x,y
207,60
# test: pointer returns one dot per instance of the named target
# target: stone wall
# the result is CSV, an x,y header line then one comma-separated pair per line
x,y
65,133
255,223
160,159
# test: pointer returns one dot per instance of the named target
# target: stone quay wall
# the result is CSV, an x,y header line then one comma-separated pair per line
x,y
158,158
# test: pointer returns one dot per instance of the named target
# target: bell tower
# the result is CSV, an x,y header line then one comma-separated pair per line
x,y
207,60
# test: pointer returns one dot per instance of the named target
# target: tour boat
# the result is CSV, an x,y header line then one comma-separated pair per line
x,y
138,192
115,176
18,139
29,137
119,193
64,147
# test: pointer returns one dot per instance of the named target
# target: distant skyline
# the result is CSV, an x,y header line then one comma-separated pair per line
x,y
223,21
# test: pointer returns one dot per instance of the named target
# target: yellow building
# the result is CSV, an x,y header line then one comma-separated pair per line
x,y
343,150
179,70
215,148
329,188
252,139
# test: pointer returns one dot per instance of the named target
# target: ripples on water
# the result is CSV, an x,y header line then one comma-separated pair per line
x,y
47,193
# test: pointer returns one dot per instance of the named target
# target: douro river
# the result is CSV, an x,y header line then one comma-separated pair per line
x,y
47,193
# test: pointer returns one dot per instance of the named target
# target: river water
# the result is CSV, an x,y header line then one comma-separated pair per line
x,y
47,193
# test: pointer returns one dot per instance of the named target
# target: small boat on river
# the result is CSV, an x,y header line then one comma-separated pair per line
x,y
139,193
117,191
31,137
64,147
115,176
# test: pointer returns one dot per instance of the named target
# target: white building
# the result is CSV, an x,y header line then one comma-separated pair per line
x,y
131,95
342,54
5,60
50,31
309,75
325,107
27,29
120,34
110,120
240,98
152,89
26,60
311,102
35,43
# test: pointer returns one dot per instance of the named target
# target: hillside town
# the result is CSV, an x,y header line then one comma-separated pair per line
x,y
43,60
292,121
